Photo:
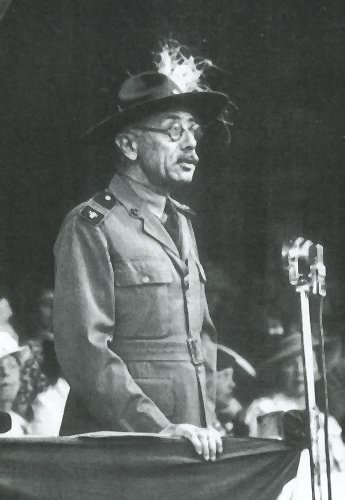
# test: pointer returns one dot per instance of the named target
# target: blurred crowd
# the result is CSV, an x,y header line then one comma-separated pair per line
x,y
32,391
250,395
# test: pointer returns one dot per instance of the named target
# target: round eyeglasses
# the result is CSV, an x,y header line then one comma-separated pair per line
x,y
176,131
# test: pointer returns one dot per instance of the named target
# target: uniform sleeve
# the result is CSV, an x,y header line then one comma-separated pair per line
x,y
84,320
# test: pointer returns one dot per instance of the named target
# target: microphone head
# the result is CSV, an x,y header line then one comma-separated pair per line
x,y
5,422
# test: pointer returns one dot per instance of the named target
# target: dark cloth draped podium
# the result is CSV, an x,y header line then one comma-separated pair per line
x,y
141,467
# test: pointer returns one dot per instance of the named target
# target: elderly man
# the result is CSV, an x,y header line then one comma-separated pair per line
x,y
129,306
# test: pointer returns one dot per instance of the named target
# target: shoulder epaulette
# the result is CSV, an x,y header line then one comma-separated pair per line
x,y
183,208
98,207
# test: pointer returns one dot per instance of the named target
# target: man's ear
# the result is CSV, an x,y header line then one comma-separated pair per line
x,y
127,145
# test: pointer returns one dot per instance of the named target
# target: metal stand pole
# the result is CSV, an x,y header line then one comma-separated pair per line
x,y
308,361
303,259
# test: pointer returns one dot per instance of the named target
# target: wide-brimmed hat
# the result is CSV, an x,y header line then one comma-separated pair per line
x,y
289,346
9,346
228,358
152,92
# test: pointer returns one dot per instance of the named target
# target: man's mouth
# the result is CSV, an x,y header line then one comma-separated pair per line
x,y
187,163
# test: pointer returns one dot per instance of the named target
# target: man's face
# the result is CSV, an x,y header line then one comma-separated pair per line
x,y
293,375
166,162
9,379
225,387
293,378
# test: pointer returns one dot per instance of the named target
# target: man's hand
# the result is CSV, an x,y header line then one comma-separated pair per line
x,y
206,441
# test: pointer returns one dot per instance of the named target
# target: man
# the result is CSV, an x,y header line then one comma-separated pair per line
x,y
229,413
129,304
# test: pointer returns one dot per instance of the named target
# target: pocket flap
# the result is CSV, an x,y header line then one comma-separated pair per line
x,y
143,272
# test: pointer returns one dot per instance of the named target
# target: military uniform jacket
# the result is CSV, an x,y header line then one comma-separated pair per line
x,y
129,317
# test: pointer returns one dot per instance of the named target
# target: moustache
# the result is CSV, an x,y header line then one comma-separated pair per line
x,y
188,159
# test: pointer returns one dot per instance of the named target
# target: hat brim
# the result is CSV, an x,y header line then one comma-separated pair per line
x,y
294,350
284,354
238,360
21,353
205,106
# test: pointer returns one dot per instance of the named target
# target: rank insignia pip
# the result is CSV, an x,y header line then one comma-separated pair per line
x,y
92,215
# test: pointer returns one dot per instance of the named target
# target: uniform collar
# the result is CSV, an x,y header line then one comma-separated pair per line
x,y
155,201
130,192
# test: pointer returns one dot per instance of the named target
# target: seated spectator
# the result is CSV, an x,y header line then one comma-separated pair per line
x,y
33,379
335,367
48,406
43,393
281,382
228,405
11,356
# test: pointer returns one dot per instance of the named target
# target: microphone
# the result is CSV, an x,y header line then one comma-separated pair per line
x,y
5,422
303,260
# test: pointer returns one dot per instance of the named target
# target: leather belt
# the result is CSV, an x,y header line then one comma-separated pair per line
x,y
156,350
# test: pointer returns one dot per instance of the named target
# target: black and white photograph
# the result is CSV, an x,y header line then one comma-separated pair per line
x,y
172,257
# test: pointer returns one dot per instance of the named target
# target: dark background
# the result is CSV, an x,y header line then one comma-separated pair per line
x,y
284,66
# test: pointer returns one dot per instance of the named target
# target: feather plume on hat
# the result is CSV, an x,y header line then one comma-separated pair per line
x,y
188,72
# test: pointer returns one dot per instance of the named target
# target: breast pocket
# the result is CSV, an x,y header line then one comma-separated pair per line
x,y
142,299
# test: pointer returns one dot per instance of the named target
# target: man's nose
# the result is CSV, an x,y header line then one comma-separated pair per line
x,y
188,139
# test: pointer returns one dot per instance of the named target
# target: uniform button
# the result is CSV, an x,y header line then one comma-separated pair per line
x,y
134,212
145,279
186,282
107,197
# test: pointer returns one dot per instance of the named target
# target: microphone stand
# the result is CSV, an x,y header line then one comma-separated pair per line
x,y
315,282
313,416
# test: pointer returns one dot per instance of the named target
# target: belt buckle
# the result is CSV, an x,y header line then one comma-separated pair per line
x,y
195,351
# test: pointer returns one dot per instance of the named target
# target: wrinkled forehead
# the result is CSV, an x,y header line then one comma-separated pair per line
x,y
158,119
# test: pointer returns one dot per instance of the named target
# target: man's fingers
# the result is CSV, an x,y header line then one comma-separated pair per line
x,y
194,439
190,432
212,444
216,443
219,442
203,437
207,442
